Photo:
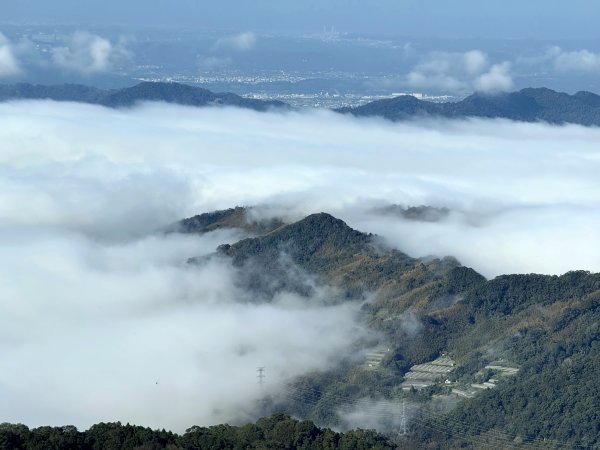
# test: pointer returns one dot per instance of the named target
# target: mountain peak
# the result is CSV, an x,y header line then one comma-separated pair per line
x,y
302,240
329,226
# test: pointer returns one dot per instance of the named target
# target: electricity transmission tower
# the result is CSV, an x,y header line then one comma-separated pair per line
x,y
261,376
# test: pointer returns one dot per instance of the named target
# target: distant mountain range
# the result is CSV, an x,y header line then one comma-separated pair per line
x,y
527,105
181,94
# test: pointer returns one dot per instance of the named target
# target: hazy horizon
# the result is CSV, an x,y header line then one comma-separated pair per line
x,y
459,19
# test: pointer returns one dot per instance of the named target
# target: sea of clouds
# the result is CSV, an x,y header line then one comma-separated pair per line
x,y
101,319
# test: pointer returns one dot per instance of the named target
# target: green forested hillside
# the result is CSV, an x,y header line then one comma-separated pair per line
x,y
327,251
276,432
544,331
546,326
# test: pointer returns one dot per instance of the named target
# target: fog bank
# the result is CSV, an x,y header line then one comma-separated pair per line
x,y
524,197
101,319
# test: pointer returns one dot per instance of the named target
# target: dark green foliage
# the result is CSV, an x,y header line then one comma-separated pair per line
x,y
48,438
108,436
315,250
556,393
529,105
509,294
305,241
548,325
553,398
276,432
13,436
147,91
460,279
104,436
323,250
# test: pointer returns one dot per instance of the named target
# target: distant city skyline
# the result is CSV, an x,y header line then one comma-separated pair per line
x,y
534,19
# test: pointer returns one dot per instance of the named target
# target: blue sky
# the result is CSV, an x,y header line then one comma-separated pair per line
x,y
458,18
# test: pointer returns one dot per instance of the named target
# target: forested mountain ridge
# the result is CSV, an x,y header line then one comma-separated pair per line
x,y
324,250
177,93
543,330
546,326
527,105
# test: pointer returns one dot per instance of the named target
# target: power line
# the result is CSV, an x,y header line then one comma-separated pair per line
x,y
438,422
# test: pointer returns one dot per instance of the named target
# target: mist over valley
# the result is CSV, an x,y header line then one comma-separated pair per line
x,y
240,237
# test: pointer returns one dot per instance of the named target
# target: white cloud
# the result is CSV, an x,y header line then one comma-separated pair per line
x,y
123,329
9,64
421,80
560,62
497,79
459,72
88,53
580,61
213,62
475,61
242,42
73,163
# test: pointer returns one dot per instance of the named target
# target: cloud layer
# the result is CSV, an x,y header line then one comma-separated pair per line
x,y
520,182
106,306
9,64
87,53
80,53
242,42
578,61
93,331
460,72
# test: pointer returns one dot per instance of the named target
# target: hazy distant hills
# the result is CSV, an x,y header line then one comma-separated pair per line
x,y
422,213
147,91
548,327
528,105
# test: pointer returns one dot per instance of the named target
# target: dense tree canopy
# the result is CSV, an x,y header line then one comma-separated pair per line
x,y
279,431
